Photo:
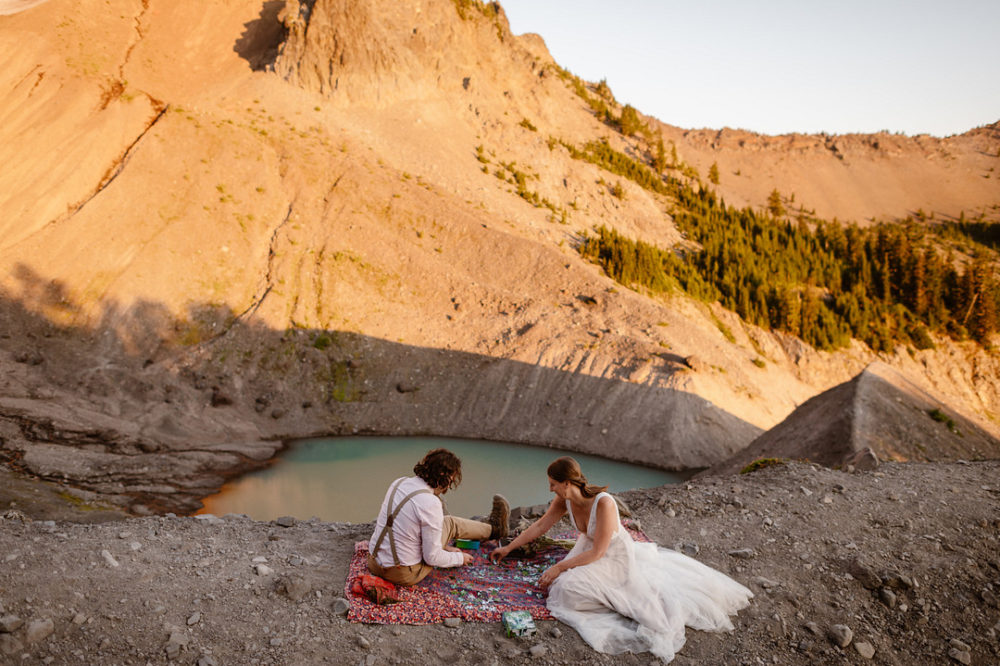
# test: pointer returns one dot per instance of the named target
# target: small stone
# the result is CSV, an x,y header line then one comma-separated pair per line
x,y
805,491
39,630
556,632
112,562
364,643
452,622
765,583
960,645
538,650
841,635
670,513
207,660
743,553
79,619
864,574
135,545
866,650
294,587
263,570
176,643
990,597
689,548
10,623
961,656
887,597
9,645
341,606
194,619
814,628
827,499
286,521
276,642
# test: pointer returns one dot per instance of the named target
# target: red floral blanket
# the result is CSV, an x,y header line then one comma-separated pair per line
x,y
479,592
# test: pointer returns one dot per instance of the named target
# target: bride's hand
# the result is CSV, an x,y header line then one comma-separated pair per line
x,y
549,575
498,554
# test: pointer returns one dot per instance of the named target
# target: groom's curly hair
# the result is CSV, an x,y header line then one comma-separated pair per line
x,y
440,468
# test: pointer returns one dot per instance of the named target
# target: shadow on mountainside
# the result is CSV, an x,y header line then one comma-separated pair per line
x,y
154,411
259,43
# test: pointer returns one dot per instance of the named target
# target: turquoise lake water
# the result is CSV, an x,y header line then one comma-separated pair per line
x,y
344,479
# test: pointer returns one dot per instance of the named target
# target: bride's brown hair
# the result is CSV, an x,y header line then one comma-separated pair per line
x,y
568,469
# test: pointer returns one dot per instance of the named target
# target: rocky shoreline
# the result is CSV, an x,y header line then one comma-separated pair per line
x,y
896,566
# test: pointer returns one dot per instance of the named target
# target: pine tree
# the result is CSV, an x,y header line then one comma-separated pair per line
x,y
774,205
713,173
629,122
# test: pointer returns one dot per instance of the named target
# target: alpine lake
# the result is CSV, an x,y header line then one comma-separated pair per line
x,y
344,479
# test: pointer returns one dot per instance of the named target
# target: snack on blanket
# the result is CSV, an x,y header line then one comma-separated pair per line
x,y
518,623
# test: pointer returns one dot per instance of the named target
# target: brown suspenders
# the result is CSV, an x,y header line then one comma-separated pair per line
x,y
390,516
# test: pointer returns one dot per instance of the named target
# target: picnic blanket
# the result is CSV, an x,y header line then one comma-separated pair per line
x,y
479,592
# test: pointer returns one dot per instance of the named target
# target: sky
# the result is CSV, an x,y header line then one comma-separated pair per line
x,y
780,66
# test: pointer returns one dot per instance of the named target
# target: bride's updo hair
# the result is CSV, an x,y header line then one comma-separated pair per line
x,y
440,468
568,469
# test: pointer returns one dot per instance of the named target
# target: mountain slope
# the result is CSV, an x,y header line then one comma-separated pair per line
x,y
234,223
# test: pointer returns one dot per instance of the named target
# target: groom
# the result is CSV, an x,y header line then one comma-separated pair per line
x,y
412,533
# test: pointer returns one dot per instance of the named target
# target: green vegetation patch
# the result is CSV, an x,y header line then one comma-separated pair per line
x,y
761,463
941,417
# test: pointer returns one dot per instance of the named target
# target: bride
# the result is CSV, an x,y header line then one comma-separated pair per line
x,y
621,595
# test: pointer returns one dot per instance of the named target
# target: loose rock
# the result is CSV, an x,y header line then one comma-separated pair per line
x,y
294,587
9,645
39,630
840,634
538,650
341,606
109,558
961,656
866,650
10,623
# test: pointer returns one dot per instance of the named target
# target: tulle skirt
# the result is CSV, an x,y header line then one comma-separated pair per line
x,y
639,597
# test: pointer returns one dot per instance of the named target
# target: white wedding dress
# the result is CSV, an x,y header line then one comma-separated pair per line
x,y
639,597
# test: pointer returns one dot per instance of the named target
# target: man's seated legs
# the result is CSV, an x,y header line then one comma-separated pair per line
x,y
404,575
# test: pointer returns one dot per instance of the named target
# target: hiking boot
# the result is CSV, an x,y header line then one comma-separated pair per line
x,y
499,517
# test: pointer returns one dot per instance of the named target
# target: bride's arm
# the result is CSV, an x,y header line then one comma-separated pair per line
x,y
556,510
603,531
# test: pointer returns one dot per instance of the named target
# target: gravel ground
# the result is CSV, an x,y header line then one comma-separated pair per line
x,y
900,565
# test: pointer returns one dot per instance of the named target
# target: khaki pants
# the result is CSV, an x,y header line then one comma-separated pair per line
x,y
452,528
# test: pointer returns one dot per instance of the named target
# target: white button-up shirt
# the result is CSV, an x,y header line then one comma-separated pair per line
x,y
416,528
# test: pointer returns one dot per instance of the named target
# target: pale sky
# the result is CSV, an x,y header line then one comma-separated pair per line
x,y
779,66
